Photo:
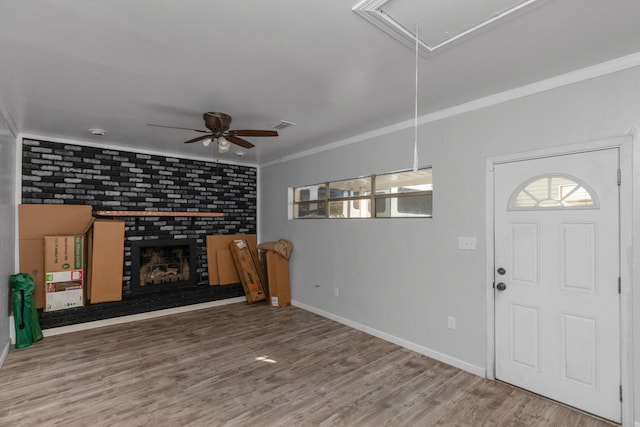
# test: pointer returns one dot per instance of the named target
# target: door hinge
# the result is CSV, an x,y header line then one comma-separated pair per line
x,y
620,393
619,176
619,285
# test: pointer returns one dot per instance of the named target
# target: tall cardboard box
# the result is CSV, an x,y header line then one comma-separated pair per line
x,y
105,260
247,270
37,221
64,262
277,279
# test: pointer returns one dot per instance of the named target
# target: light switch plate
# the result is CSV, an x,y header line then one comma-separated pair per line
x,y
467,243
451,323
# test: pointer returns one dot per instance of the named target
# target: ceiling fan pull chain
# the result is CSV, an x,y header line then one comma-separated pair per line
x,y
415,126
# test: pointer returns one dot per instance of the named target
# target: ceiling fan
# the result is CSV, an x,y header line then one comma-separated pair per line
x,y
218,125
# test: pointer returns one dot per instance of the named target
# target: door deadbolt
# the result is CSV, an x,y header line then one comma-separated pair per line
x,y
501,271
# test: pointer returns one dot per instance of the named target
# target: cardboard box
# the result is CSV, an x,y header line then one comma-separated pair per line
x,y
247,270
277,279
64,265
37,221
221,268
105,261
61,300
63,254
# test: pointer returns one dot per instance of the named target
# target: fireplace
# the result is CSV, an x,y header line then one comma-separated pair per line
x,y
162,265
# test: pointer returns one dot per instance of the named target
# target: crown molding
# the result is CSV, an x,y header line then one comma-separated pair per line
x,y
598,70
131,150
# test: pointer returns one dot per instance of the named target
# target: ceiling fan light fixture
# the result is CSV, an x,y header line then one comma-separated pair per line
x,y
223,145
206,142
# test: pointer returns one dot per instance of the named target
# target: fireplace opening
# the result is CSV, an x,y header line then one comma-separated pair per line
x,y
161,265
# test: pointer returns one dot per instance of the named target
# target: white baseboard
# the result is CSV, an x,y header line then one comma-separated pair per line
x,y
134,317
5,351
12,330
441,357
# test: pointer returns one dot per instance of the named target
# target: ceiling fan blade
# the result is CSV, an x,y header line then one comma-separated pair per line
x,y
239,141
200,138
176,127
253,132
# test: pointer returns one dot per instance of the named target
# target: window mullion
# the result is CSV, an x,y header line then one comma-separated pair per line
x,y
373,196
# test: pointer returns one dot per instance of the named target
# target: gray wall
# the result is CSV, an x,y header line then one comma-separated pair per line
x,y
7,226
401,278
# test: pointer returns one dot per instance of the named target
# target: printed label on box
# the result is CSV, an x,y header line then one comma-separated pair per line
x,y
63,276
63,286
274,301
62,300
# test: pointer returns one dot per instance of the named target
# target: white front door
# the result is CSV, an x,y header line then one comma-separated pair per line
x,y
557,306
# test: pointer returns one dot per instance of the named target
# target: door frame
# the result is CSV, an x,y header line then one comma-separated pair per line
x,y
628,258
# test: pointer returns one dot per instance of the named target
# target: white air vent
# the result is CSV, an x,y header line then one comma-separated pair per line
x,y
283,125
97,132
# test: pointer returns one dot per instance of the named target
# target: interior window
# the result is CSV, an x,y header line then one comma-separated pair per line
x,y
404,194
350,198
310,201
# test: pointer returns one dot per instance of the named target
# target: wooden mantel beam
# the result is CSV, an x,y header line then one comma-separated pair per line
x,y
160,213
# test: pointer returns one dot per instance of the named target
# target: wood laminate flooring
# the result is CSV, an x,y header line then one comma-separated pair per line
x,y
252,365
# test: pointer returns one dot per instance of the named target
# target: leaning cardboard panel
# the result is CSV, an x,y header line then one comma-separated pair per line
x,y
221,268
105,243
226,274
37,221
247,270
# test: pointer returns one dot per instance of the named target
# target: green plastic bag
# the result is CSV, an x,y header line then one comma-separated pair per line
x,y
25,315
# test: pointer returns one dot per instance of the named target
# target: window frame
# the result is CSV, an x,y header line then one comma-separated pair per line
x,y
310,201
372,198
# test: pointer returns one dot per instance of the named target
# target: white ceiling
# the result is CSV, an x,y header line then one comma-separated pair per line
x,y
67,66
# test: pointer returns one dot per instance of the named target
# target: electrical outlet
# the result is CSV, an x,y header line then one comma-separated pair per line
x,y
451,323
467,243
336,291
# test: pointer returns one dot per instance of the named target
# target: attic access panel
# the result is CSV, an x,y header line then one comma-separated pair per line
x,y
440,22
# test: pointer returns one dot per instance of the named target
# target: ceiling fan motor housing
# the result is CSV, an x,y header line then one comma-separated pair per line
x,y
217,121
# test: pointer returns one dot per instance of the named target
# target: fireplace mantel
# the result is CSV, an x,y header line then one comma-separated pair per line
x,y
160,213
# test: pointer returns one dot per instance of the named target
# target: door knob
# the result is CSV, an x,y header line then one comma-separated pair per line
x,y
501,271
501,286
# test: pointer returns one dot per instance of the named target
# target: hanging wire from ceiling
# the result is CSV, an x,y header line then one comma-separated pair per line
x,y
415,123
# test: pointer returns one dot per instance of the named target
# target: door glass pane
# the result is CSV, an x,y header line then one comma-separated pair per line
x,y
553,191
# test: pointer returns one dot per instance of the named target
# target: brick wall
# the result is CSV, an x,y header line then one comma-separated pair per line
x,y
122,180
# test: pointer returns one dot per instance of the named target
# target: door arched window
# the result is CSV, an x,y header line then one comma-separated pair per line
x,y
553,191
